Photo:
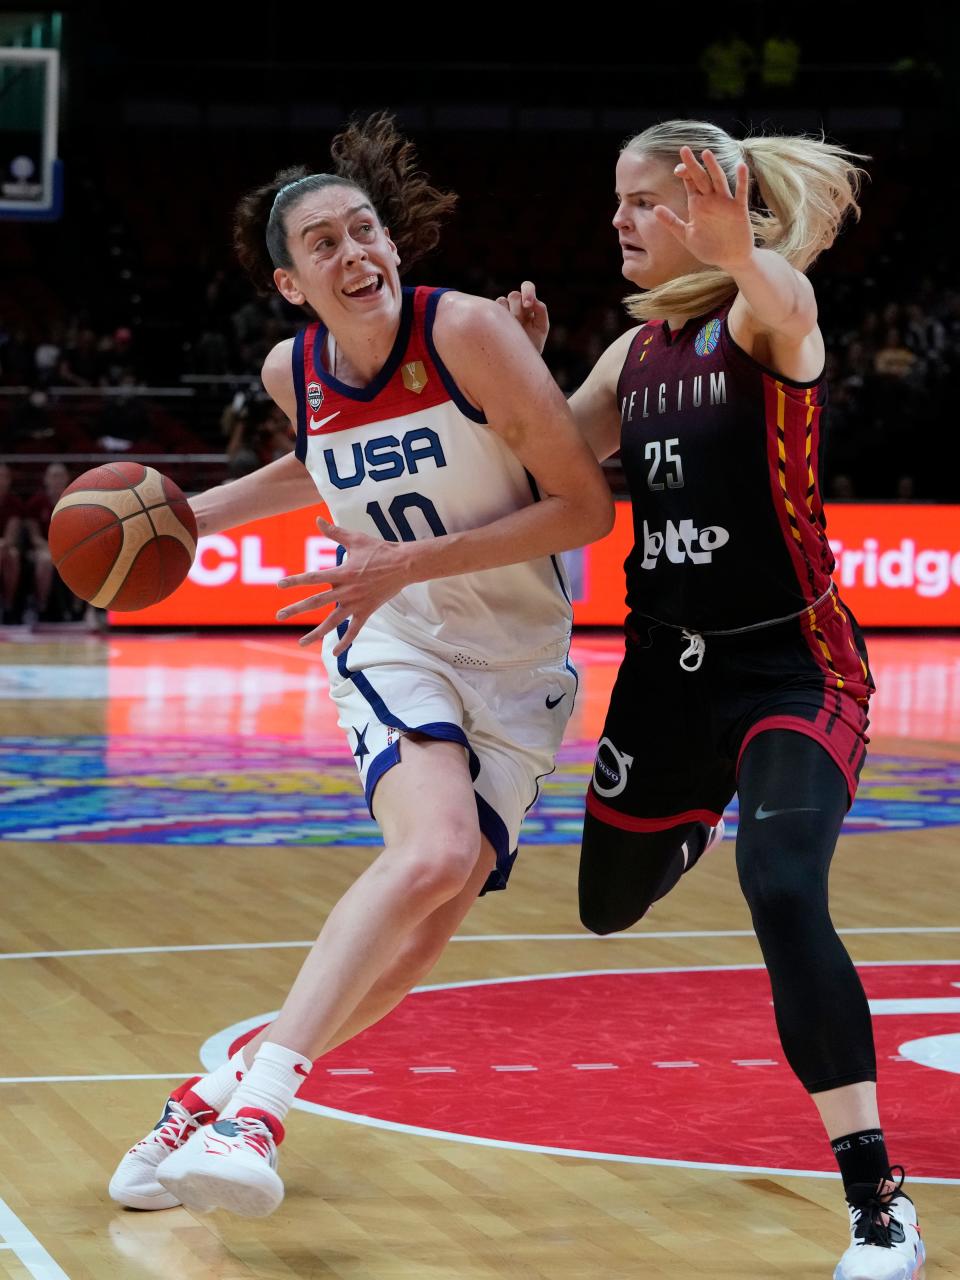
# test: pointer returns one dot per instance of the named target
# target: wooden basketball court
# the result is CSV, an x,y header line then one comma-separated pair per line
x,y
177,816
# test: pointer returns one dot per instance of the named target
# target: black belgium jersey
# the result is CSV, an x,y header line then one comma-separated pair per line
x,y
722,458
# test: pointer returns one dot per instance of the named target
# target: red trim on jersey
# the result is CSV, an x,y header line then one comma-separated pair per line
x,y
793,420
626,822
394,400
837,745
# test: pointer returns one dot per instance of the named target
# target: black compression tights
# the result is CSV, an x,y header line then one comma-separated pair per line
x,y
783,860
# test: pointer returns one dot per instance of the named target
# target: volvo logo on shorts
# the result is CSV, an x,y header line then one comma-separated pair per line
x,y
610,769
314,395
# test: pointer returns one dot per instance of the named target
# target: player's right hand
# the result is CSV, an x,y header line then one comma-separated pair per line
x,y
524,305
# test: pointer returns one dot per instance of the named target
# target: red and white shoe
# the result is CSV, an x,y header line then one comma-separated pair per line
x,y
134,1183
885,1241
230,1164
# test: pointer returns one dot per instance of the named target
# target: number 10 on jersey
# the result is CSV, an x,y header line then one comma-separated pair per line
x,y
393,524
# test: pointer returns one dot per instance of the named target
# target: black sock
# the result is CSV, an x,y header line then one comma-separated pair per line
x,y
862,1158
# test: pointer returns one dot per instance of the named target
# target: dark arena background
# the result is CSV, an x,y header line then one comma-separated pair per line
x,y
178,809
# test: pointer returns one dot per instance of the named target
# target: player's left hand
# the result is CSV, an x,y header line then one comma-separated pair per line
x,y
372,572
717,230
526,308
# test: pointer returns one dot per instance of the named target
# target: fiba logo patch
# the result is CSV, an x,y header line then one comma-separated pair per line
x,y
314,395
708,339
610,769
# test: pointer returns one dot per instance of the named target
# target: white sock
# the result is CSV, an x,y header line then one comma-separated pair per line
x,y
271,1083
217,1087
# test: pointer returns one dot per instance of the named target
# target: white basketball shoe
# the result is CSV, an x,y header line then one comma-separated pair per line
x,y
230,1164
885,1242
134,1183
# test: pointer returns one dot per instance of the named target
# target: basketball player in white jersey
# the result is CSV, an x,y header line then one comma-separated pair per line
x,y
444,450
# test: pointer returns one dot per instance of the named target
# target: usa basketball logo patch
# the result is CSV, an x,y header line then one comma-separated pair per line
x,y
708,339
314,395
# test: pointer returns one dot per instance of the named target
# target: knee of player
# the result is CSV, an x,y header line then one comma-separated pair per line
x,y
778,885
602,916
441,860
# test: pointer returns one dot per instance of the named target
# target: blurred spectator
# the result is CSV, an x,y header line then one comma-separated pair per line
x,y
31,422
235,424
37,515
856,364
11,513
276,434
894,360
925,335
258,428
117,359
46,360
123,419
211,353
81,363
841,488
16,359
242,463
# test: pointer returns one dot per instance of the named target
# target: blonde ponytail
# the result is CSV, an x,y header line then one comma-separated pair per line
x,y
806,187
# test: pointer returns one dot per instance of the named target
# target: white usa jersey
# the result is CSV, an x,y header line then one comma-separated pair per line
x,y
408,457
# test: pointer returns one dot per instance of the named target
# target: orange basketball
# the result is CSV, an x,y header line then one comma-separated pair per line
x,y
122,536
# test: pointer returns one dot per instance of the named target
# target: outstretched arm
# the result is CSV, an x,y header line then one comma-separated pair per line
x,y
775,303
284,485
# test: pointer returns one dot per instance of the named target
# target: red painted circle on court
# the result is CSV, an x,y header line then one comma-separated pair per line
x,y
663,1065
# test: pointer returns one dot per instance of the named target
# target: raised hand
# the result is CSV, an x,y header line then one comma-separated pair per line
x,y
717,230
524,305
372,572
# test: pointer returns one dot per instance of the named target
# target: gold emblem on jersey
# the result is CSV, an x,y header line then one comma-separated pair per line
x,y
645,353
414,376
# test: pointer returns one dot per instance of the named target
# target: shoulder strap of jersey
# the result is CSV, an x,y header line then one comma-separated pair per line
x,y
303,381
430,302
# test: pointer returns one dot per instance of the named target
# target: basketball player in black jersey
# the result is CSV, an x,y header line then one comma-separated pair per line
x,y
744,671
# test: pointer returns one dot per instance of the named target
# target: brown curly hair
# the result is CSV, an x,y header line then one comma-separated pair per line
x,y
370,155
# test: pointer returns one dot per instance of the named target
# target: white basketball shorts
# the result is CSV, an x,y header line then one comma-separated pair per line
x,y
510,720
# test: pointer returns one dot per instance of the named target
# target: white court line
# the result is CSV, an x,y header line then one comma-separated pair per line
x,y
27,1247
215,1051
179,1075
652,936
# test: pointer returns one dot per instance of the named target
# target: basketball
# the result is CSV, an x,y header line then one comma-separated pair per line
x,y
122,536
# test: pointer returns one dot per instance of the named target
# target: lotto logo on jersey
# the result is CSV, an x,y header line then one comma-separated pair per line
x,y
681,542
708,339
